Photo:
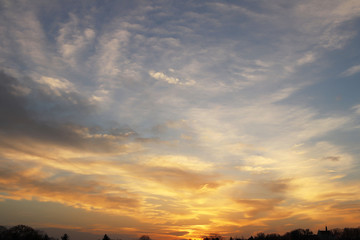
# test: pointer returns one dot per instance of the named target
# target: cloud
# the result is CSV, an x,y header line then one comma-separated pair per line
x,y
63,153
171,80
257,206
179,233
69,189
56,85
282,94
327,20
23,118
162,76
351,71
308,58
236,9
112,49
332,158
81,124
73,39
26,42
78,223
178,161
174,177
278,186
357,109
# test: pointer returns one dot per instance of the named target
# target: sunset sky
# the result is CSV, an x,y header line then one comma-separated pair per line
x,y
178,119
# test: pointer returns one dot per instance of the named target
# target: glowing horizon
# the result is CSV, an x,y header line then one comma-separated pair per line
x,y
180,119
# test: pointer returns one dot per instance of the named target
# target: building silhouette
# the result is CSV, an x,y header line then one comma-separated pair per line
x,y
325,235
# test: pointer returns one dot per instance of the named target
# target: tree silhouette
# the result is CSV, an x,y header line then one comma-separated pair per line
x,y
144,237
65,237
351,233
106,237
272,236
23,232
260,236
3,232
213,237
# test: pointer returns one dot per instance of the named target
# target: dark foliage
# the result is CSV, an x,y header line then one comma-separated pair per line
x,y
144,237
213,237
22,232
106,237
306,234
65,237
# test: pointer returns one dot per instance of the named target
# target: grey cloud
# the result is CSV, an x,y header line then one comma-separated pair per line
x,y
17,118
52,119
332,158
278,186
179,233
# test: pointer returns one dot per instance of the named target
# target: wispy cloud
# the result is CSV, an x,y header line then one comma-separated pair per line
x,y
180,119
357,109
73,40
351,71
171,80
56,85
308,58
162,76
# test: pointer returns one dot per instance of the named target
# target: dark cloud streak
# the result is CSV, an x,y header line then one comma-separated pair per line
x,y
29,117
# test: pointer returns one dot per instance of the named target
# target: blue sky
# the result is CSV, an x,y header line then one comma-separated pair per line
x,y
187,117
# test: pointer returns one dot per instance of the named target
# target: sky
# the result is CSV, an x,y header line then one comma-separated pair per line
x,y
177,119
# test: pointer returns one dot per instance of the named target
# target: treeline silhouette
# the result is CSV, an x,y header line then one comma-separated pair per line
x,y
23,232
300,234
